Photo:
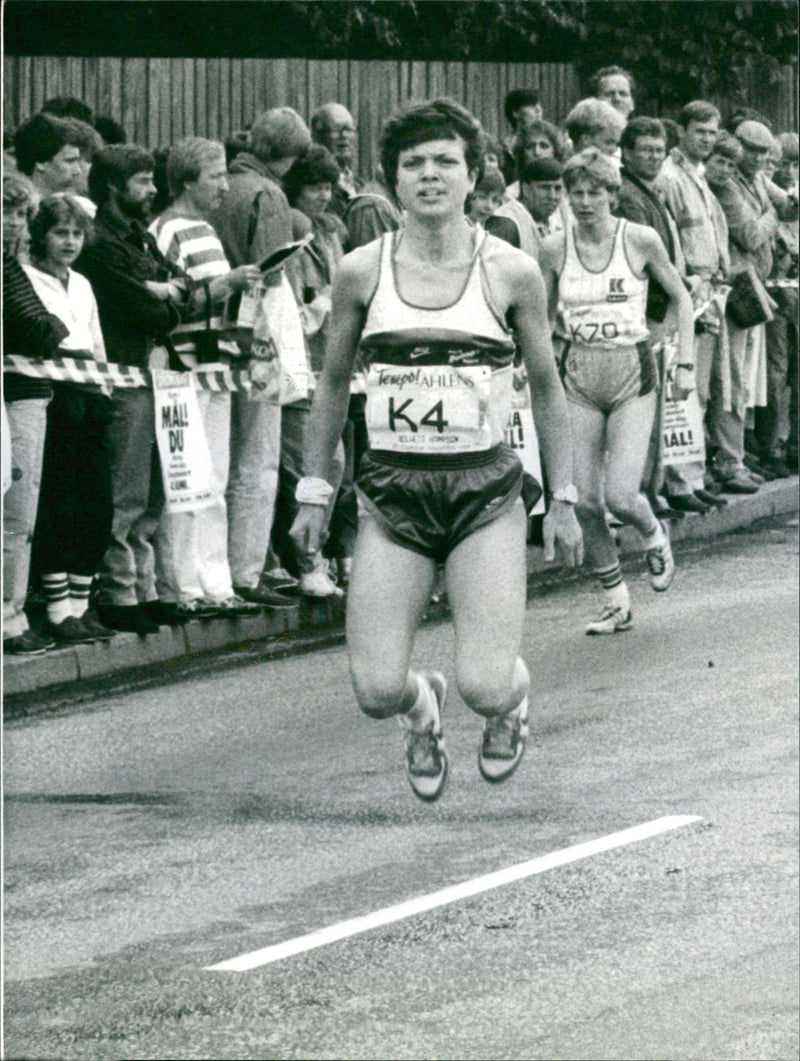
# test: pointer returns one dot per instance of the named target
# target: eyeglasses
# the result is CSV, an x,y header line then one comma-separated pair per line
x,y
655,151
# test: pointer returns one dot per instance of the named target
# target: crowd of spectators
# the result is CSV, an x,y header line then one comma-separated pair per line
x,y
153,259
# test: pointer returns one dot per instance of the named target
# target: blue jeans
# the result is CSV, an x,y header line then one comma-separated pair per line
x,y
27,422
252,485
128,572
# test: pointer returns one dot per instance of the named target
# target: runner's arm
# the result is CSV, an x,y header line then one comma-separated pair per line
x,y
329,408
529,318
661,269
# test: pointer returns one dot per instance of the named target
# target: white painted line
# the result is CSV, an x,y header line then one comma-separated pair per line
x,y
354,926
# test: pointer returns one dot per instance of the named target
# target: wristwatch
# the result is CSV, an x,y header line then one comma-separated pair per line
x,y
568,494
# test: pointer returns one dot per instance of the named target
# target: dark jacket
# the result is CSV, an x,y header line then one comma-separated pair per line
x,y
28,329
117,260
255,218
636,202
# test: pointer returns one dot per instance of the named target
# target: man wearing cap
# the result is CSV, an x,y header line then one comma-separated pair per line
x,y
525,222
752,216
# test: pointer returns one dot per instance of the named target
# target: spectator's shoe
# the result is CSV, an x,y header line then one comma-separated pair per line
x,y
757,468
610,621
792,462
713,500
344,567
196,609
280,580
236,605
161,612
660,563
503,744
94,626
28,644
688,503
129,617
318,583
71,631
265,596
776,467
739,483
426,760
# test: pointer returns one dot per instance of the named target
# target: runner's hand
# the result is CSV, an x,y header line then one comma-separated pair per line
x,y
306,532
562,532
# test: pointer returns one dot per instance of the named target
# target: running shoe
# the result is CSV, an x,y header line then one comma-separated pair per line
x,y
426,760
660,563
503,743
610,621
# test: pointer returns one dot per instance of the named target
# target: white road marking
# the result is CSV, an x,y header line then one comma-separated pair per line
x,y
389,914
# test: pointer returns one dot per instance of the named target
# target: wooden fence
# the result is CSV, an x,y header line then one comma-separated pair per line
x,y
160,100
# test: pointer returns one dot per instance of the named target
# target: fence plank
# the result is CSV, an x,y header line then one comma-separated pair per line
x,y
160,99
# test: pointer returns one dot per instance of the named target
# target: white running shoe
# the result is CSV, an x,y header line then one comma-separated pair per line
x,y
503,743
611,621
426,760
318,583
660,563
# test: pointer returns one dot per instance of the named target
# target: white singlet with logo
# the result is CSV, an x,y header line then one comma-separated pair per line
x,y
604,308
438,381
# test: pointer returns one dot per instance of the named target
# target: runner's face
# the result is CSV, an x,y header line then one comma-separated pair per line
x,y
542,198
698,139
590,202
63,244
208,191
433,180
616,91
314,198
645,158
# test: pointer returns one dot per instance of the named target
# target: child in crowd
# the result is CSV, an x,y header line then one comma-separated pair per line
x,y
488,196
74,520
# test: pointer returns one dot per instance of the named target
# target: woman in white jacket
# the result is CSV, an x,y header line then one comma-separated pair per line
x,y
74,518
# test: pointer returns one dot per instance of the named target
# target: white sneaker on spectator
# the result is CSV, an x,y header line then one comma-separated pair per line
x,y
318,583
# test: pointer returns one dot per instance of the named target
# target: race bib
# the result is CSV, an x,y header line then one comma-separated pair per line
x,y
431,409
599,324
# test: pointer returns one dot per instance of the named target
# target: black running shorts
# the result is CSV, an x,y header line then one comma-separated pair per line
x,y
431,509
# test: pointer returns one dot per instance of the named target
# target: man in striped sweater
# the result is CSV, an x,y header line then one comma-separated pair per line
x,y
192,570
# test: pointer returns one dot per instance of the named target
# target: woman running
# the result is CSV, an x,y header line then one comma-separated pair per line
x,y
596,274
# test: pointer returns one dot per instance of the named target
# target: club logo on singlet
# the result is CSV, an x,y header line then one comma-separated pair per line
x,y
616,289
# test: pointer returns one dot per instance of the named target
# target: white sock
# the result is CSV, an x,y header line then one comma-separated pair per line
x,y
55,587
618,597
655,538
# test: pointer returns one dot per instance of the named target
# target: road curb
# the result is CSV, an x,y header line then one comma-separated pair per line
x,y
312,624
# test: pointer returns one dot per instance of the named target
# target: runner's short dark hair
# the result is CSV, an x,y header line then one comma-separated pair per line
x,y
438,119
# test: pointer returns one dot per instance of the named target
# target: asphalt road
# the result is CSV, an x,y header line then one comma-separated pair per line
x,y
153,834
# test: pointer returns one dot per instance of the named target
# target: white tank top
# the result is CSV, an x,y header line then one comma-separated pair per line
x,y
606,308
438,381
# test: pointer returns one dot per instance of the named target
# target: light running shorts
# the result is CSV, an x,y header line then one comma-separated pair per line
x,y
606,379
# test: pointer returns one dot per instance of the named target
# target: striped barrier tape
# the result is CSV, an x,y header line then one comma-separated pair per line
x,y
108,375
